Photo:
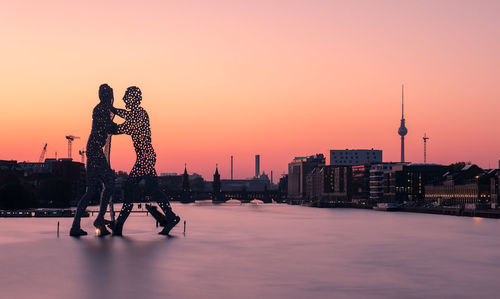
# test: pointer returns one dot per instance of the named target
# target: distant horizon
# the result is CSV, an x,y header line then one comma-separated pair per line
x,y
276,176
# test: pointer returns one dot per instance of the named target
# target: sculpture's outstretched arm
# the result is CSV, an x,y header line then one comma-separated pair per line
x,y
124,128
120,112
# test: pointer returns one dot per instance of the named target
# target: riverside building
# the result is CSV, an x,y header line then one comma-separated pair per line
x,y
298,170
349,157
469,185
380,183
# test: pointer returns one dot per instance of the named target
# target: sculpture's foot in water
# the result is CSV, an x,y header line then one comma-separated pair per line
x,y
100,225
168,227
77,232
157,215
116,228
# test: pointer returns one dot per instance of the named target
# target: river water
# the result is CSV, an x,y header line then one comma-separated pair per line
x,y
256,251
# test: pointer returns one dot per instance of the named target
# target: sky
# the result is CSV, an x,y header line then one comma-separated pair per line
x,y
275,78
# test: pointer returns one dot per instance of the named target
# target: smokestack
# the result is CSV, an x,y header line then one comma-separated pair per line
x,y
257,166
231,168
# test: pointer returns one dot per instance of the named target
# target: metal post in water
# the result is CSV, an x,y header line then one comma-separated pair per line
x,y
184,226
58,229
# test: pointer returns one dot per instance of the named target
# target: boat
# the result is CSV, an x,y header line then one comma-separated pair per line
x,y
256,201
232,202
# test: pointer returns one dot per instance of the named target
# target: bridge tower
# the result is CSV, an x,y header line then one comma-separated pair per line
x,y
216,185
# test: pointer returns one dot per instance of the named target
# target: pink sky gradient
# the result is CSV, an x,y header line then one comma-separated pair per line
x,y
275,78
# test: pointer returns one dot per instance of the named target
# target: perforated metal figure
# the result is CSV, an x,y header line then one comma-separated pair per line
x,y
98,171
137,126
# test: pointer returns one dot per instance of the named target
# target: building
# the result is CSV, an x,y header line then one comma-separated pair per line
x,y
168,174
298,170
257,166
409,180
58,183
283,186
249,189
75,173
468,185
315,182
360,183
349,157
335,182
495,189
185,188
249,184
380,183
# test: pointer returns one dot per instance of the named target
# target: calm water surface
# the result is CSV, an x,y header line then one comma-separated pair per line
x,y
265,251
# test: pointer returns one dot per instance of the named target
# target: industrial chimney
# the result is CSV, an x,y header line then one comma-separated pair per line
x,y
257,166
231,168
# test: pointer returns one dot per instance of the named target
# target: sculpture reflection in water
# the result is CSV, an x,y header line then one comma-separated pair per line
x,y
137,126
98,171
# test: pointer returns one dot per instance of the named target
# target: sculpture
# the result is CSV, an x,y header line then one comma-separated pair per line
x,y
98,171
137,126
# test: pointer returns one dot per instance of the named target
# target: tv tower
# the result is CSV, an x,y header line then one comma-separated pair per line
x,y
425,147
402,129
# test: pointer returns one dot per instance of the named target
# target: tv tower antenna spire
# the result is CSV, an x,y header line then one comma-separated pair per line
x,y
425,147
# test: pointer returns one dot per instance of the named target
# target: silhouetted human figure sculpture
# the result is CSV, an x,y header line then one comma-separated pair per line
x,y
137,126
98,171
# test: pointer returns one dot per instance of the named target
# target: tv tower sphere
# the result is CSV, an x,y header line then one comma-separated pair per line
x,y
402,131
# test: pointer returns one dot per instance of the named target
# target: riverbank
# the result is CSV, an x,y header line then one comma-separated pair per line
x,y
425,210
454,212
64,213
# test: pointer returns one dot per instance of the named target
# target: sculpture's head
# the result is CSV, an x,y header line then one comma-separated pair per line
x,y
106,94
132,97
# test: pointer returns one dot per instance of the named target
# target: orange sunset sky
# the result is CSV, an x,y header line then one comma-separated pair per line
x,y
275,78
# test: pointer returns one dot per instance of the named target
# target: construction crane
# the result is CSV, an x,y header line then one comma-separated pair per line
x,y
425,147
70,139
82,153
42,155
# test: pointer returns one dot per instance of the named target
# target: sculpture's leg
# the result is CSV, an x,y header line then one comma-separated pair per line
x,y
129,197
107,192
163,203
82,205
